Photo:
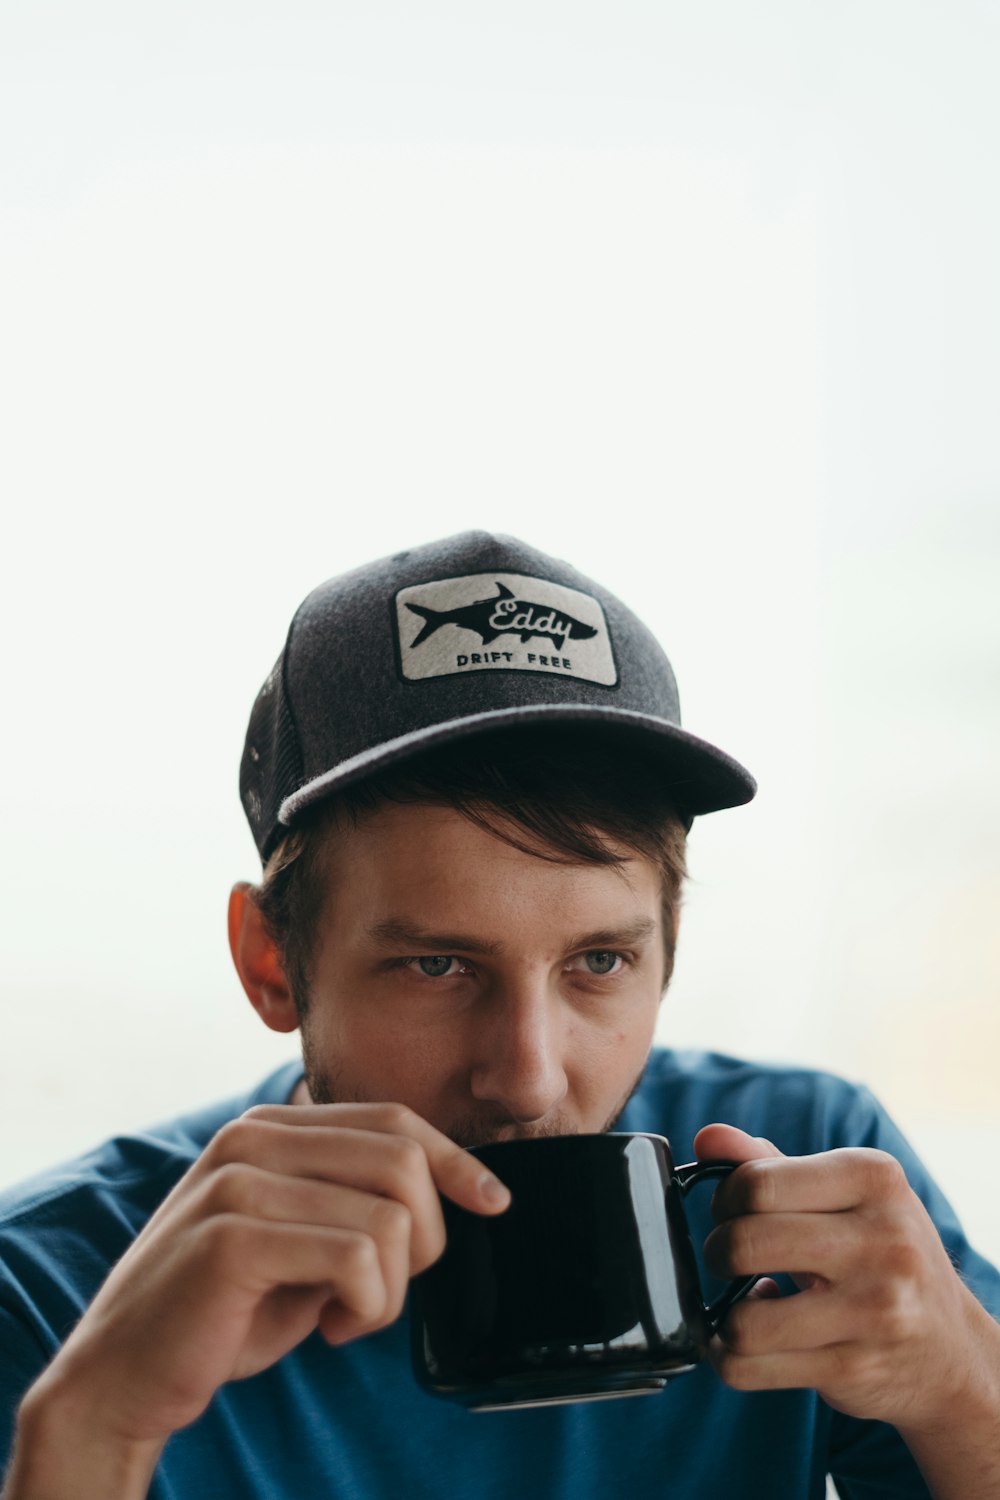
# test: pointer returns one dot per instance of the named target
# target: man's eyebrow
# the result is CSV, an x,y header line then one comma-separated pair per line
x,y
616,937
398,934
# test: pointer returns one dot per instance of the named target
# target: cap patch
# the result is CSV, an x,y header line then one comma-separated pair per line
x,y
502,621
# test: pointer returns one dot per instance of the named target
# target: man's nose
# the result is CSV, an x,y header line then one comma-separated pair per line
x,y
520,1052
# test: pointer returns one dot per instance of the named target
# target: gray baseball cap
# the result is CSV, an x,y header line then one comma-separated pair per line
x,y
446,642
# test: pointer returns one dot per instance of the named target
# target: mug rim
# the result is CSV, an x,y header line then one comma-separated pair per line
x,y
582,1136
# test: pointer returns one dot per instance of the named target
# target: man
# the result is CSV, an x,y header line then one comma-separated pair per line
x,y
470,790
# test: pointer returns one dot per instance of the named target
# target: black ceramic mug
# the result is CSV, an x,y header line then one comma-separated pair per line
x,y
587,1286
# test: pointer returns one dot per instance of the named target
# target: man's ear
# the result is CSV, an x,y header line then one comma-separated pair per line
x,y
258,961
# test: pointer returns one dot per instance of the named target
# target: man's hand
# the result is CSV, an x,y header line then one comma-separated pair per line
x,y
294,1218
882,1328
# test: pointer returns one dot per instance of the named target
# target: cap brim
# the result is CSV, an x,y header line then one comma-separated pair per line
x,y
704,778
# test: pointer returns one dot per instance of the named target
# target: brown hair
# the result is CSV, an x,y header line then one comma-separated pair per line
x,y
555,793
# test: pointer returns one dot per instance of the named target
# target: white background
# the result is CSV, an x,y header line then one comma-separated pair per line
x,y
703,298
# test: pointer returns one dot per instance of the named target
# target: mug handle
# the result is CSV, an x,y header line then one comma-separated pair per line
x,y
686,1178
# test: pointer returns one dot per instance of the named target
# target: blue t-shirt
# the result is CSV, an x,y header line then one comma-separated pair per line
x,y
352,1424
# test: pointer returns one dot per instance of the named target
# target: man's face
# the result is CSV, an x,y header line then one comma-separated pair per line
x,y
496,993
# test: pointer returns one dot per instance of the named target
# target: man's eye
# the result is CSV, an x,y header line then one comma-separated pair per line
x,y
435,967
602,961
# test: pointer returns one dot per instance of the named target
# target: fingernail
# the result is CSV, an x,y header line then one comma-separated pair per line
x,y
493,1190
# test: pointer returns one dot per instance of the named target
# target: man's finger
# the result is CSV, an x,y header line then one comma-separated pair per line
x,y
831,1182
813,1369
455,1173
828,1245
720,1142
254,1192
811,1320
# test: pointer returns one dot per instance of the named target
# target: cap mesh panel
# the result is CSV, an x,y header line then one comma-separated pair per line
x,y
272,761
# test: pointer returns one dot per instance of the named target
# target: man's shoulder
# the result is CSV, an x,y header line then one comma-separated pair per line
x,y
801,1109
132,1171
62,1230
724,1070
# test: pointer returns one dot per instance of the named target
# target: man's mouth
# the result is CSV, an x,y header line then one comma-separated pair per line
x,y
472,1133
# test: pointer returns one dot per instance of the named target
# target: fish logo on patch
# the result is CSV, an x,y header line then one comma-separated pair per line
x,y
504,614
502,621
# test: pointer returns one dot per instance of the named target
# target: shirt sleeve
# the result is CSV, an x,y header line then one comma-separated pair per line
x,y
22,1360
868,1460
